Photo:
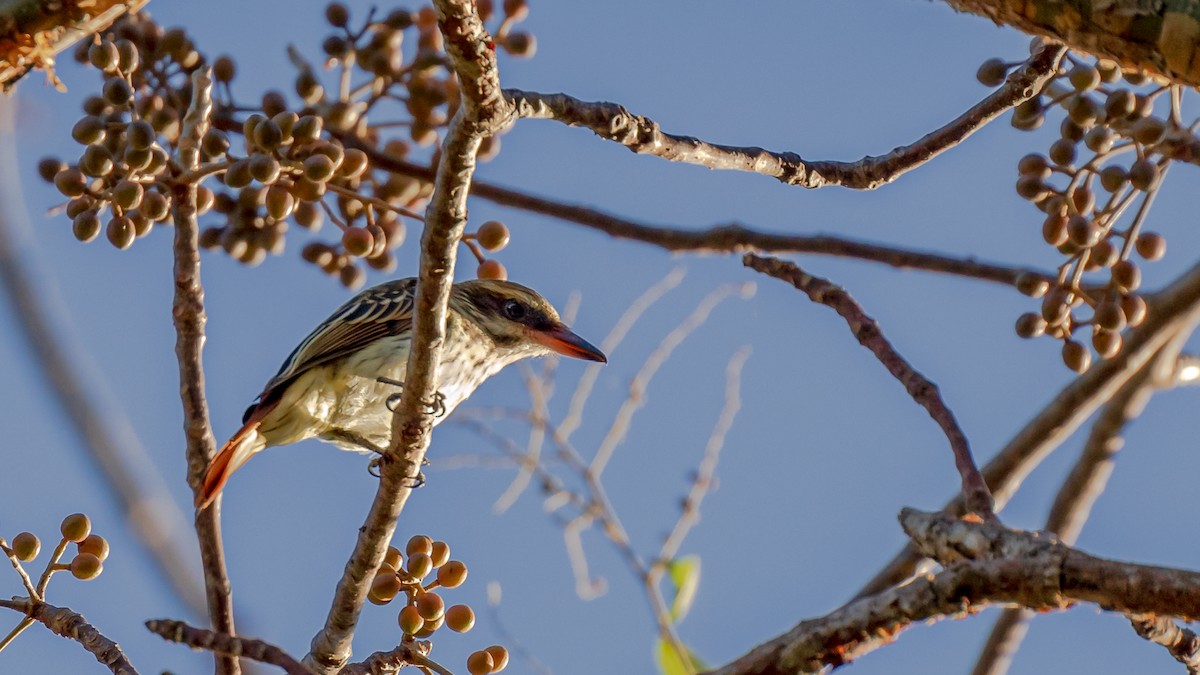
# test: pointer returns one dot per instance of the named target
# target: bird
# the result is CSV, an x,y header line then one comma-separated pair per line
x,y
338,383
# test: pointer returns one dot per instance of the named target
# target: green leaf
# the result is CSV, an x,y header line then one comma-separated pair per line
x,y
670,663
685,577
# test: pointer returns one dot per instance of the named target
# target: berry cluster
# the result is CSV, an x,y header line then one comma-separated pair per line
x,y
424,610
91,550
301,164
122,180
1110,154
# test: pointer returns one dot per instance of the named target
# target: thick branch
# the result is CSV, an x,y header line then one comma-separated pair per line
x,y
985,563
33,32
445,219
189,316
1172,311
644,136
1156,37
228,645
1073,503
974,491
72,626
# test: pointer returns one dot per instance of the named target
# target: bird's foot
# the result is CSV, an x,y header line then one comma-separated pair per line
x,y
374,467
414,482
437,407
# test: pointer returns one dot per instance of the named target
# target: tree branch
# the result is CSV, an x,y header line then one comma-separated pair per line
x,y
729,238
481,114
644,136
975,492
1173,312
33,32
985,563
1165,36
228,645
1073,504
189,316
73,626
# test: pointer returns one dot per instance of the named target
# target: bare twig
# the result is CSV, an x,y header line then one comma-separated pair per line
x,y
1073,504
73,626
481,113
1182,643
644,136
702,484
20,569
82,392
985,563
229,645
188,313
974,490
730,238
637,388
410,652
1173,311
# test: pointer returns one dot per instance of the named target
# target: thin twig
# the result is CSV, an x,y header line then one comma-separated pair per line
x,y
619,428
719,239
229,645
20,569
974,490
1182,643
706,471
102,425
73,626
482,113
644,136
616,335
189,317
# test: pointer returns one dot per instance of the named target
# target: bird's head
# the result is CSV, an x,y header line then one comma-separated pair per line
x,y
519,320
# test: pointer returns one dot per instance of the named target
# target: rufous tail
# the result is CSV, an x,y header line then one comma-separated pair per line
x,y
236,452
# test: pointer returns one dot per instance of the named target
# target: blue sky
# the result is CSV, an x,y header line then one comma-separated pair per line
x,y
827,447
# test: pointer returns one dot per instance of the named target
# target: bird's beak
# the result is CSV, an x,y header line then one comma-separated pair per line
x,y
561,340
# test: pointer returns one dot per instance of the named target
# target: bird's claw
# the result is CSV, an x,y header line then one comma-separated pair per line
x,y
374,466
414,482
437,407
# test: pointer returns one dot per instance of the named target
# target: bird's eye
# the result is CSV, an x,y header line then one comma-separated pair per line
x,y
514,310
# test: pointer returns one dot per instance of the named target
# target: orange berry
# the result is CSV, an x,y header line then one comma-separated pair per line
x,y
460,618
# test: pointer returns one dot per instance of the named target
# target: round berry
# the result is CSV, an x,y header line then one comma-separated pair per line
x,y
499,657
96,545
491,269
480,663
86,566
430,606
410,620
460,618
26,546
1076,356
76,527
452,574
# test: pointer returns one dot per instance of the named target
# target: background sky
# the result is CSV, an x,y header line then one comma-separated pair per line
x,y
827,447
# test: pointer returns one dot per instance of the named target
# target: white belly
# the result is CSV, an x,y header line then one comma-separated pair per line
x,y
346,398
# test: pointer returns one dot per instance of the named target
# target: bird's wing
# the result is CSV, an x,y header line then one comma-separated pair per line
x,y
377,312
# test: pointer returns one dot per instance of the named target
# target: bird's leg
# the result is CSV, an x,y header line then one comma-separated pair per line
x,y
354,439
437,408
